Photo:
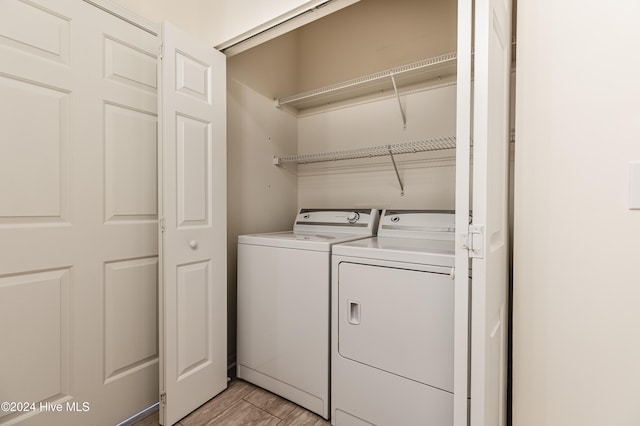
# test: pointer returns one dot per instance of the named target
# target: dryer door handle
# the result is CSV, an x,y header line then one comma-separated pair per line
x,y
353,312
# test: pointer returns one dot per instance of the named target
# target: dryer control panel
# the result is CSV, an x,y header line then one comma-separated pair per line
x,y
427,224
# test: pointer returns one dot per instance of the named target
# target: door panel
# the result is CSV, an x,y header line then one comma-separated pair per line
x,y
48,295
193,338
130,164
50,41
130,65
130,292
490,196
78,216
35,156
193,140
193,242
192,78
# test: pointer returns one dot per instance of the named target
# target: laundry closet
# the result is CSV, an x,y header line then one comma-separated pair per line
x,y
367,37
345,89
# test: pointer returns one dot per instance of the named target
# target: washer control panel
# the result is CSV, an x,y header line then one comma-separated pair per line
x,y
337,220
353,217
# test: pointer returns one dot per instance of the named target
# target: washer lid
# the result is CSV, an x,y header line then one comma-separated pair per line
x,y
298,240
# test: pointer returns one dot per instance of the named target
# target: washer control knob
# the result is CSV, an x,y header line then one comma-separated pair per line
x,y
353,217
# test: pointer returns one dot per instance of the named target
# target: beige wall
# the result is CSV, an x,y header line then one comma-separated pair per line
x,y
428,178
374,35
576,284
261,197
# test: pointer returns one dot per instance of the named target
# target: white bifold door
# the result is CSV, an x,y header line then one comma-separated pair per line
x,y
193,239
87,332
481,309
78,215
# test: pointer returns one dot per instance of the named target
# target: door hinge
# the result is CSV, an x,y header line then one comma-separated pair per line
x,y
162,224
474,241
161,51
163,398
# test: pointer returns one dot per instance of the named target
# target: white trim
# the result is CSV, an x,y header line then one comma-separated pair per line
x,y
126,15
141,415
463,156
282,24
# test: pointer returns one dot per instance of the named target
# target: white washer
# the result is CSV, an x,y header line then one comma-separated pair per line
x,y
393,323
283,303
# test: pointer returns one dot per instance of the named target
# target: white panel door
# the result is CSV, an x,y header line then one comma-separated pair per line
x,y
193,240
78,214
490,206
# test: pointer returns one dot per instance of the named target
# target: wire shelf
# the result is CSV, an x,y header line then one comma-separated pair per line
x,y
436,144
423,70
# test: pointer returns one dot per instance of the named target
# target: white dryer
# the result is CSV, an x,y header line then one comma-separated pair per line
x,y
393,323
283,303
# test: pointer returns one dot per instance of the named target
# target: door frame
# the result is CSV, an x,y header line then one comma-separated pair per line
x,y
462,309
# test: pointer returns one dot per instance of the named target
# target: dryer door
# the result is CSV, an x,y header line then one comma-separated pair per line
x,y
397,320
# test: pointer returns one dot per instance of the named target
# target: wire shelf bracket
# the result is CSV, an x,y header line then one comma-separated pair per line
x,y
404,116
395,167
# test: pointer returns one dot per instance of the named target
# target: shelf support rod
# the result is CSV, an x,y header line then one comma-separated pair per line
x,y
395,89
395,167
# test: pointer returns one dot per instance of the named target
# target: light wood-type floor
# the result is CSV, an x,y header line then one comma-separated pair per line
x,y
243,404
